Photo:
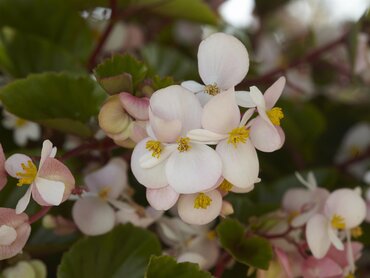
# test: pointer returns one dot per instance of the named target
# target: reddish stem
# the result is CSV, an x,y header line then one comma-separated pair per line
x,y
38,215
221,264
344,165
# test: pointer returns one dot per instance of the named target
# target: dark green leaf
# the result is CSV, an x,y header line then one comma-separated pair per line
x,y
165,266
253,251
123,252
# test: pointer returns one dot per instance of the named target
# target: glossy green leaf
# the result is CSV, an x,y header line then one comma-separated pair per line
x,y
253,251
123,252
61,101
165,266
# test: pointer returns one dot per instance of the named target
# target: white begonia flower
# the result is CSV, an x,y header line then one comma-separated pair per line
x,y
265,131
23,129
93,212
356,141
302,204
188,243
222,126
26,269
138,216
50,184
344,210
223,63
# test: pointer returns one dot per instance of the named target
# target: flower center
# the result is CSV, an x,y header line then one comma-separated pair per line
x,y
350,275
103,193
275,115
354,151
28,175
211,89
225,186
356,232
337,222
211,235
238,135
20,122
202,201
183,144
155,147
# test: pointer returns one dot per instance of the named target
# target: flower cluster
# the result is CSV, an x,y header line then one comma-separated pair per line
x,y
199,145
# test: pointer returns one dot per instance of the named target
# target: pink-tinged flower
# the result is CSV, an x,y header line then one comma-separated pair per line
x,y
321,268
94,212
223,63
138,216
302,203
222,126
14,232
344,210
188,243
168,157
123,118
3,176
50,184
265,131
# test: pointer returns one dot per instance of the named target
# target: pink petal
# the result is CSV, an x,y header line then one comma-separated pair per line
x,y
20,223
317,235
193,171
3,176
154,177
13,164
199,216
222,59
265,137
138,132
274,92
163,198
340,256
323,268
138,108
93,216
284,261
221,114
240,163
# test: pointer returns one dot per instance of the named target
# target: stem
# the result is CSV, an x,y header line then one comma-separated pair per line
x,y
344,165
221,264
38,215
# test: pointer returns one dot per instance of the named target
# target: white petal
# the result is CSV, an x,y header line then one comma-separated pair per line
x,y
13,164
194,258
7,235
154,177
205,136
274,92
296,198
195,170
236,189
199,216
51,191
149,161
265,137
203,98
24,201
257,97
317,236
222,59
221,114
165,130
46,151
240,163
208,248
244,99
247,115
93,216
193,86
163,198
113,176
334,239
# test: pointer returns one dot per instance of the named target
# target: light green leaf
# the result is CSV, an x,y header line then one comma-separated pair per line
x,y
253,251
165,266
61,101
123,252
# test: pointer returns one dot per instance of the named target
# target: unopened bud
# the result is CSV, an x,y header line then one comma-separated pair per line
x,y
226,209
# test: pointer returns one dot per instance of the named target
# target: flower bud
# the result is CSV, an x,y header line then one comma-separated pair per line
x,y
226,209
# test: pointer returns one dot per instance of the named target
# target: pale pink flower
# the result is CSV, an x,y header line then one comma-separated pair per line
x,y
50,184
3,175
14,232
321,268
138,216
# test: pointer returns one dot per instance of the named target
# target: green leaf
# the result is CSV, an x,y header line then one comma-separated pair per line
x,y
166,61
253,251
120,73
123,252
22,53
61,101
159,83
165,266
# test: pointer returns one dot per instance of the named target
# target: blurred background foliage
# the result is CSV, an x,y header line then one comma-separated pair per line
x,y
52,52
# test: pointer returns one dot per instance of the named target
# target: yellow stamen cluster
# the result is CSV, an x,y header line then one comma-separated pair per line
x,y
202,201
293,215
20,122
28,175
155,147
183,144
356,232
104,192
337,222
238,135
350,275
211,235
225,186
275,115
354,151
211,89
